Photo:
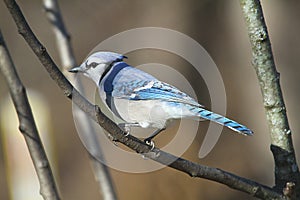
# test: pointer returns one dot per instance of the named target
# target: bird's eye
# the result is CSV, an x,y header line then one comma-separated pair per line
x,y
93,65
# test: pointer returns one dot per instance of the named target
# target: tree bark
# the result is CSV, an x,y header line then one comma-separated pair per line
x,y
286,168
101,171
27,125
193,169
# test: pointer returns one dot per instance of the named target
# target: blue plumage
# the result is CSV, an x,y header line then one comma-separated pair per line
x,y
140,99
206,114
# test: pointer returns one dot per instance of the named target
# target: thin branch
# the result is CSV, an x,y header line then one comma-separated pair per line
x,y
286,168
27,124
191,168
100,170
62,36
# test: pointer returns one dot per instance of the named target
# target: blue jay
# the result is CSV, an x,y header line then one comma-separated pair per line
x,y
140,99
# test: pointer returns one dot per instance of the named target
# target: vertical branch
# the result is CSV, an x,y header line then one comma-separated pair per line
x,y
27,124
101,171
286,168
61,34
193,169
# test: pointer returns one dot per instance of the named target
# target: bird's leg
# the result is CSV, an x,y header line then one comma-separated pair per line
x,y
149,141
126,127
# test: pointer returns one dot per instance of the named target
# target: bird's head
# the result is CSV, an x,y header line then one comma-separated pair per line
x,y
95,65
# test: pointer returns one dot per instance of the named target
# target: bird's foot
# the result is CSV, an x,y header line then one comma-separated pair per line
x,y
125,128
149,142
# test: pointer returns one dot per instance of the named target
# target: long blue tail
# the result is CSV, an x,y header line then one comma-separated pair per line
x,y
205,114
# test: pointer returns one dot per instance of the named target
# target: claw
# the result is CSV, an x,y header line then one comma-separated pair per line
x,y
125,128
150,143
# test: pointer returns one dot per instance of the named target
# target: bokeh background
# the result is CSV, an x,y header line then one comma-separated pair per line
x,y
218,26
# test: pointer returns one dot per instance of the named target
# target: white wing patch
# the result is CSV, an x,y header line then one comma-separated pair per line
x,y
149,85
132,95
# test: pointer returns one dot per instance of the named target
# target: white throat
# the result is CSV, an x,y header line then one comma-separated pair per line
x,y
96,73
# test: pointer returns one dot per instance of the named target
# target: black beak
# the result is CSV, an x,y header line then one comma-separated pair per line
x,y
74,69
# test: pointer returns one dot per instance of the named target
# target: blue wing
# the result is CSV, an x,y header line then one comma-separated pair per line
x,y
134,84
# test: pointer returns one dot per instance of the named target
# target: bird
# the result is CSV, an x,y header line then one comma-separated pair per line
x,y
140,99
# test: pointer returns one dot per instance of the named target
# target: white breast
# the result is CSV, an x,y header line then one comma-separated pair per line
x,y
150,113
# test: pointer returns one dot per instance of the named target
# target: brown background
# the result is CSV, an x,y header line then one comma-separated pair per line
x,y
218,26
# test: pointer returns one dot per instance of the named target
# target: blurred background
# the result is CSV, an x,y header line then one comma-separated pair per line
x,y
219,27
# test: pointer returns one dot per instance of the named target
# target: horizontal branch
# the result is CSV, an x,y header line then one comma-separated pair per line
x,y
191,168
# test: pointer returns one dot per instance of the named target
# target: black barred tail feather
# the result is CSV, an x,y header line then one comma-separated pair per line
x,y
205,114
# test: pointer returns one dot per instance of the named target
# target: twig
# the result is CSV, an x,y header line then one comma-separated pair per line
x,y
100,170
27,124
62,36
191,168
286,168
